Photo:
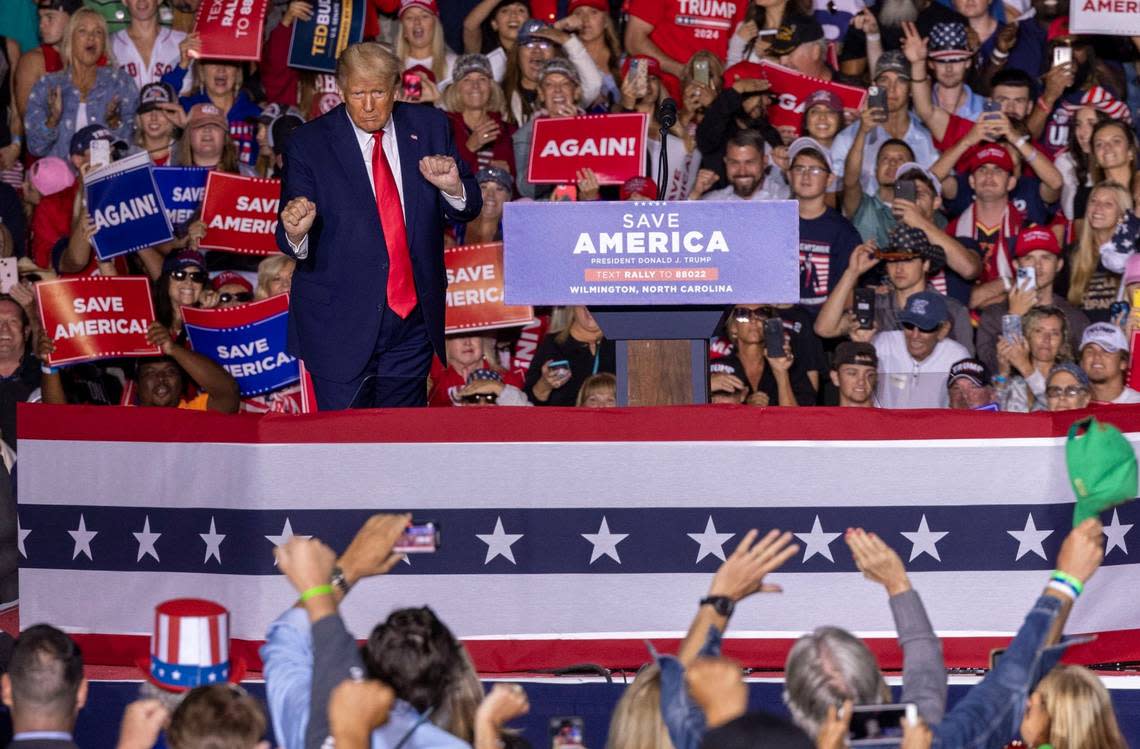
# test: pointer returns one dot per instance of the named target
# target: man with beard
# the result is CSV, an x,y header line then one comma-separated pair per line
x,y
739,106
745,166
891,14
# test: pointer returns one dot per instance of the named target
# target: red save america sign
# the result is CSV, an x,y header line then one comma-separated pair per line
x,y
613,145
240,214
790,89
231,29
475,290
96,317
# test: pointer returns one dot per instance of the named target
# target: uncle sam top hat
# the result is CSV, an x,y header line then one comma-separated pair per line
x,y
190,646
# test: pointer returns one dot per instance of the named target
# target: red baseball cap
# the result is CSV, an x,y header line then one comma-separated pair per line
x,y
1036,238
990,153
602,5
743,70
640,186
1058,29
428,5
230,277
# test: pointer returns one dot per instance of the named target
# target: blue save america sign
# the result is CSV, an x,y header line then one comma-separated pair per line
x,y
123,201
688,252
182,189
248,341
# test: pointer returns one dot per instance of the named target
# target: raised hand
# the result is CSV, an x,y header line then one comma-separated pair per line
x,y
55,106
143,720
297,218
370,552
914,47
503,703
356,708
1082,550
158,335
742,574
878,562
443,173
307,562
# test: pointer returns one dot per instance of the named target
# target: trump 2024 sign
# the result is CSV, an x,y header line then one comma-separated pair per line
x,y
686,252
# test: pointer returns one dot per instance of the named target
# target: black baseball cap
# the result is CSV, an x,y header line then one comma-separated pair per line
x,y
154,94
855,352
973,370
67,6
791,35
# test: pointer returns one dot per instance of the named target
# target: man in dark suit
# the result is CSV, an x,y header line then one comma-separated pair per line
x,y
364,193
44,689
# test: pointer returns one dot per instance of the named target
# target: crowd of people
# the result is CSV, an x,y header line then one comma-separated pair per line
x,y
967,236
413,685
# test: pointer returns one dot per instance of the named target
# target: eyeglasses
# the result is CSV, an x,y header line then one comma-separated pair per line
x,y
743,314
909,326
487,398
241,296
801,169
197,276
1072,391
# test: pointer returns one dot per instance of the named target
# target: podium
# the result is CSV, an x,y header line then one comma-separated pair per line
x,y
657,276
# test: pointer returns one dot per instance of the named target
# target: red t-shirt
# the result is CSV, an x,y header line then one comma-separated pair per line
x,y
959,127
683,27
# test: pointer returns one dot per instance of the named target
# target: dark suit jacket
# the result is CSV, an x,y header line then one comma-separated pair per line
x,y
338,290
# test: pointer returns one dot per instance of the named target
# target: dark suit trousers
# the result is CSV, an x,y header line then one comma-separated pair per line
x,y
396,374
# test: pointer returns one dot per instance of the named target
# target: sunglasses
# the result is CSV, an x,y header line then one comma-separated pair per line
x,y
909,326
241,296
197,276
1072,391
487,398
743,314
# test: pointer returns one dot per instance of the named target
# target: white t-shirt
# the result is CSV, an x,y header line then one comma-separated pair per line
x,y
1128,395
163,57
906,383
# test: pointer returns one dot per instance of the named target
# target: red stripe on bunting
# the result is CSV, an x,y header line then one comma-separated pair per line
x,y
517,656
675,423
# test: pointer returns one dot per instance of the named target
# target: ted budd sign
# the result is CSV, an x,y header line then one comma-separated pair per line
x,y
686,252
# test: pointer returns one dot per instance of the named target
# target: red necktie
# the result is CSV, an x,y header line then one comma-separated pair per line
x,y
401,285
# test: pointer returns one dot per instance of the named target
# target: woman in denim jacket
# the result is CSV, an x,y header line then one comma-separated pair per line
x,y
90,89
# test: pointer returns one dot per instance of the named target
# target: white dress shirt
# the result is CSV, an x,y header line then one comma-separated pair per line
x,y
366,142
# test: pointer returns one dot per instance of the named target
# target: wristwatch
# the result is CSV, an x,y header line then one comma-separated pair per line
x,y
722,605
339,581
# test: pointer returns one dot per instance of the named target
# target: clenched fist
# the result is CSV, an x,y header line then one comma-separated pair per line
x,y
298,217
442,172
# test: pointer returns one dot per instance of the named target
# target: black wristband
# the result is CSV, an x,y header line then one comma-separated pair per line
x,y
722,605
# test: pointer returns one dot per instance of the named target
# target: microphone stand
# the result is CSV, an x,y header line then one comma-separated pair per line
x,y
666,117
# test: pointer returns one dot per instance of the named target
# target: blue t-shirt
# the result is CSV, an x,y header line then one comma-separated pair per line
x,y
826,244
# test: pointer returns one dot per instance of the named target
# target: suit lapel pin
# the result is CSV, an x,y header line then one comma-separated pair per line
x,y
413,136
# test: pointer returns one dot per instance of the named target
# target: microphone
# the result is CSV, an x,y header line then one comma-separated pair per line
x,y
667,113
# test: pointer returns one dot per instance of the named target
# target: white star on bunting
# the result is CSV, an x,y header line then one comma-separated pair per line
x,y
286,534
146,541
924,540
711,542
1115,533
213,541
817,542
82,538
499,542
605,543
1030,539
21,535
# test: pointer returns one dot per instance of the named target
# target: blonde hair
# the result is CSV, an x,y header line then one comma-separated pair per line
x,y
456,711
496,102
1080,710
637,721
602,382
266,270
367,58
196,74
438,49
72,23
1086,255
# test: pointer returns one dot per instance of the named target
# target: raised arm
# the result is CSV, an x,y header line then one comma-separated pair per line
x,y
207,373
637,42
740,576
853,164
924,670
831,322
935,118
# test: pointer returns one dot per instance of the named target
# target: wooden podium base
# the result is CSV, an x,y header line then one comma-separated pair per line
x,y
662,373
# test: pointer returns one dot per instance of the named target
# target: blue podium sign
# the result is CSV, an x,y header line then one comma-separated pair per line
x,y
659,253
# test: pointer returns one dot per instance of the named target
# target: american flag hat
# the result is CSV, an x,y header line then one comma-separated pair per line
x,y
190,646
948,41
1102,100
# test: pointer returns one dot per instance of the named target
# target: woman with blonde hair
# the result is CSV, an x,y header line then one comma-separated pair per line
x,y
637,721
475,106
573,349
421,44
1093,287
274,276
83,93
1071,709
590,21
